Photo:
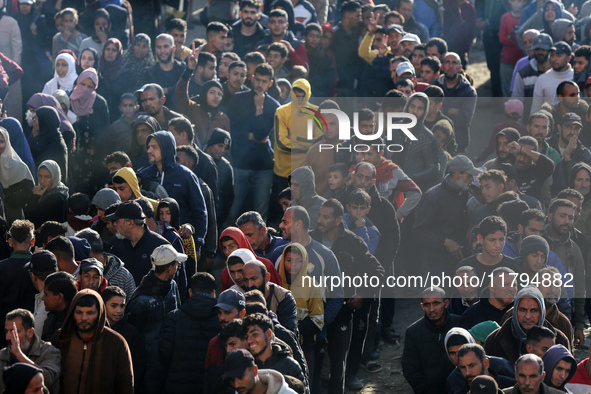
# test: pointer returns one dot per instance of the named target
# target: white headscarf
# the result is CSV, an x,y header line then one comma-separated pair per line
x,y
54,170
67,82
12,168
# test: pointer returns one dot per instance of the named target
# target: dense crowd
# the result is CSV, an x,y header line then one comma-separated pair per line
x,y
180,217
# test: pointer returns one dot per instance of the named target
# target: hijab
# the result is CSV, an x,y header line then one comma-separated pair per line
x,y
39,100
136,66
67,82
19,143
202,99
82,98
112,70
54,170
95,54
100,13
49,124
12,168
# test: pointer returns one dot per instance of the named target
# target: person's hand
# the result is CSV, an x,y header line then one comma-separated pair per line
x,y
573,9
453,248
355,302
178,50
185,232
372,24
259,100
33,28
193,56
570,148
15,343
579,339
288,45
101,33
382,49
39,190
514,148
358,222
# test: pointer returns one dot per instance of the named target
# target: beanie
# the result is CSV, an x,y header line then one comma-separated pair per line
x,y
532,244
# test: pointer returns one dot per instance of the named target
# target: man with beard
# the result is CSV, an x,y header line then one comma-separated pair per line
x,y
473,362
529,373
234,83
581,66
468,294
25,346
167,70
200,69
526,77
580,180
561,215
247,31
538,127
322,74
569,101
454,86
552,300
532,167
279,300
503,138
95,359
152,99
545,87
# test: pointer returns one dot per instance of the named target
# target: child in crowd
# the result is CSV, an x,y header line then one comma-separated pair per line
x,y
78,209
356,220
338,174
511,52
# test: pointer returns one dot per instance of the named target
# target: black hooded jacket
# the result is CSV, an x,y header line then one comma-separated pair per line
x,y
49,143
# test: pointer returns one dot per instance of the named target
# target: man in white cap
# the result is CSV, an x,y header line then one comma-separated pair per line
x,y
408,43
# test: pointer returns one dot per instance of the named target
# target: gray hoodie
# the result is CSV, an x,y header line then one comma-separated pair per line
x,y
527,292
309,199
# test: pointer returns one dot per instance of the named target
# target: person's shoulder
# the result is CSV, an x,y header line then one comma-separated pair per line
x,y
155,237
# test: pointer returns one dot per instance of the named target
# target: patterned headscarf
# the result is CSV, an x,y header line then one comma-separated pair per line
x,y
137,66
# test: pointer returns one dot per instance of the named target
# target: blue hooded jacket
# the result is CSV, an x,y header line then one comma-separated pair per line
x,y
552,357
180,183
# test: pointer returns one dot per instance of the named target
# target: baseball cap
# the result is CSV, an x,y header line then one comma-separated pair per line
x,y
26,1
405,67
571,118
484,384
396,28
411,37
461,163
89,264
105,197
543,41
166,254
514,107
127,210
42,261
236,363
561,47
230,299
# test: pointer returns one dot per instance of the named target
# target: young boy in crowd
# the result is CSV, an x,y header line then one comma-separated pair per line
x,y
356,220
78,218
511,52
338,174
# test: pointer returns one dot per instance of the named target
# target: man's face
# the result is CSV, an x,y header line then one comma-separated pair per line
x,y
285,225
416,107
235,343
541,55
237,77
560,373
226,317
179,138
36,385
569,131
366,127
522,161
394,38
150,101
372,156
255,236
580,63
417,56
277,26
539,129
164,50
452,352
528,313
208,71
217,151
115,309
154,152
275,60
142,131
179,36
244,384
504,289
257,340
260,83
25,8
223,67
127,108
313,38
408,47
293,264
535,261
493,244
327,221
558,61
582,182
406,9
570,96
90,280
327,39
534,227
24,336
540,348
237,274
578,205
470,366
529,378
363,178
228,247
570,36
551,292
217,40
434,51
561,221
434,308
86,319
124,191
427,74
249,16
296,189
467,291
491,190
254,279
52,300
528,43
332,133
451,66
502,144
299,95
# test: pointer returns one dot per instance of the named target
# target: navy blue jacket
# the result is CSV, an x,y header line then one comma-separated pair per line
x,y
180,183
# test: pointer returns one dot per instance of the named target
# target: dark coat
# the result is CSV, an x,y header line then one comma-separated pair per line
x,y
282,362
482,311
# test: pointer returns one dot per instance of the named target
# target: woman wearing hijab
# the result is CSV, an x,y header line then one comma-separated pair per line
x,y
64,101
89,57
100,34
39,100
91,128
137,58
49,200
46,140
15,177
19,143
111,66
64,76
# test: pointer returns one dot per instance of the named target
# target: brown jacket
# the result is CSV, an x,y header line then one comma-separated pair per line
x,y
98,366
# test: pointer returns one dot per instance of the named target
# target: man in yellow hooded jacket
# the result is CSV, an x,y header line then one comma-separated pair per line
x,y
127,186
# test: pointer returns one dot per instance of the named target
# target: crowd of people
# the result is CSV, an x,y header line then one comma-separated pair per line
x,y
174,215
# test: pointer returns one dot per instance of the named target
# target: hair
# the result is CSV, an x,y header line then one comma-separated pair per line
x,y
367,7
531,358
433,290
339,167
337,207
22,231
528,140
256,307
88,301
400,59
562,85
501,271
62,283
558,203
51,229
261,267
284,194
204,58
232,260
359,197
537,115
295,384
298,72
366,114
492,224
27,318
549,270
146,206
182,125
112,291
349,6
202,282
433,63
236,63
165,36
456,340
394,99
118,157
162,268
156,87
420,47
299,213
215,27
494,175
531,214
176,24
189,151
254,58
278,13
572,193
445,128
250,3
406,1
278,47
231,55
232,329
537,333
61,247
439,43
251,216
312,27
475,348
257,319
94,239
394,14
255,296
404,82
584,51
368,165
70,11
264,70
79,203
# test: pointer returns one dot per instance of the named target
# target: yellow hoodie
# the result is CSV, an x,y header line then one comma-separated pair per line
x,y
290,135
128,174
308,298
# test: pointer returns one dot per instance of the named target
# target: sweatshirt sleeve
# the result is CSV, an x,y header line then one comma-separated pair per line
x,y
365,51
198,211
